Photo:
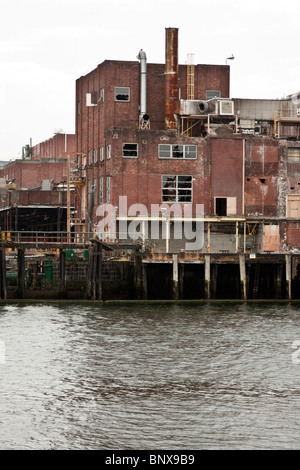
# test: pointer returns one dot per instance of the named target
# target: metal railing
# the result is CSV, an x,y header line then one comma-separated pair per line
x,y
34,239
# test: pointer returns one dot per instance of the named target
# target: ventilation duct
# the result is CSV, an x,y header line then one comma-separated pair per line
x,y
171,78
144,122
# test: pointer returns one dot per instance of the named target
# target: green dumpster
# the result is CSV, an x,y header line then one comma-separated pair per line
x,y
69,254
48,265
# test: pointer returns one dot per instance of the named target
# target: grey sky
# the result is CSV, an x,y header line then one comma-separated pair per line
x,y
46,45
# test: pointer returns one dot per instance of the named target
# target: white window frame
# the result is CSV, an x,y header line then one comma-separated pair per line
x,y
95,155
108,189
108,151
177,185
168,151
95,191
101,190
122,90
211,94
101,156
90,157
101,99
134,152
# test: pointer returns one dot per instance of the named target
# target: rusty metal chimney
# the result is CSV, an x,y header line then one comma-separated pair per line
x,y
171,78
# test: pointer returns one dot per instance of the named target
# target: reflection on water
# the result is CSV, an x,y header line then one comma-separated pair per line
x,y
149,376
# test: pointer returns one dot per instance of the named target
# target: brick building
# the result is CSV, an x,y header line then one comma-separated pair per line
x,y
36,197
170,133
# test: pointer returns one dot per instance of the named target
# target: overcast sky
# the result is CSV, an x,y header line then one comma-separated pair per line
x,y
46,45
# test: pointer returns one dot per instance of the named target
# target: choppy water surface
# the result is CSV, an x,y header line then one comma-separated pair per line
x,y
219,376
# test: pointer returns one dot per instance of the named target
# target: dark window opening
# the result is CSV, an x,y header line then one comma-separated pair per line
x,y
221,206
130,150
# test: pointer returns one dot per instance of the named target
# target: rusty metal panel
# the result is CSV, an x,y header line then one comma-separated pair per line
x,y
171,78
271,238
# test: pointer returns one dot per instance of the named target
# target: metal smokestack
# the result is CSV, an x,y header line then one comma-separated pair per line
x,y
171,78
144,117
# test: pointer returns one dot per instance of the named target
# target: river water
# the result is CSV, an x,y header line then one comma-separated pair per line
x,y
149,376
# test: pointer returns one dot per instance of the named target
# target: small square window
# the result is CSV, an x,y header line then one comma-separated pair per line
x,y
122,94
130,150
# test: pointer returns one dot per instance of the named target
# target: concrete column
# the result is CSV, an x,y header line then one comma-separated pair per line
x,y
208,237
236,237
175,278
288,276
243,277
207,287
62,269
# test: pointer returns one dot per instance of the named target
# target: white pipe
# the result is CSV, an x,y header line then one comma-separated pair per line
x,y
143,99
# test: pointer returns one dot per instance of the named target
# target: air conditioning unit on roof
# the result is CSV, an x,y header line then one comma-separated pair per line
x,y
198,107
226,107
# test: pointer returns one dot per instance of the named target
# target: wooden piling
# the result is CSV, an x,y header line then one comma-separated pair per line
x,y
175,278
288,276
62,269
243,277
21,273
3,288
207,292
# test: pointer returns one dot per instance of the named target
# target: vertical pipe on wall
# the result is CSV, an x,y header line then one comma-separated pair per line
x,y
171,78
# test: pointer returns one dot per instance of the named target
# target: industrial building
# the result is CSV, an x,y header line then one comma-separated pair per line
x,y
170,133
170,139
35,194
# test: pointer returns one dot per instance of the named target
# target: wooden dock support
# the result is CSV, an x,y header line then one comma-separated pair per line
x,y
207,293
21,273
243,277
175,278
288,276
145,281
95,267
3,288
62,269
138,276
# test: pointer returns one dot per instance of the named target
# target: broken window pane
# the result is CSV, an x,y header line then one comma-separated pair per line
x,y
176,188
177,151
122,94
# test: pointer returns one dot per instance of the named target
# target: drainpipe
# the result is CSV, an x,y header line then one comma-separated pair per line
x,y
171,78
144,117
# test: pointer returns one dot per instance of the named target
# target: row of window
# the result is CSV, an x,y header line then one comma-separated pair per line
x,y
168,151
123,94
175,188
93,193
93,156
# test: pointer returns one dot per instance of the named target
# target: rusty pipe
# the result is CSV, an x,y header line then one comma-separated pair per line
x,y
171,78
